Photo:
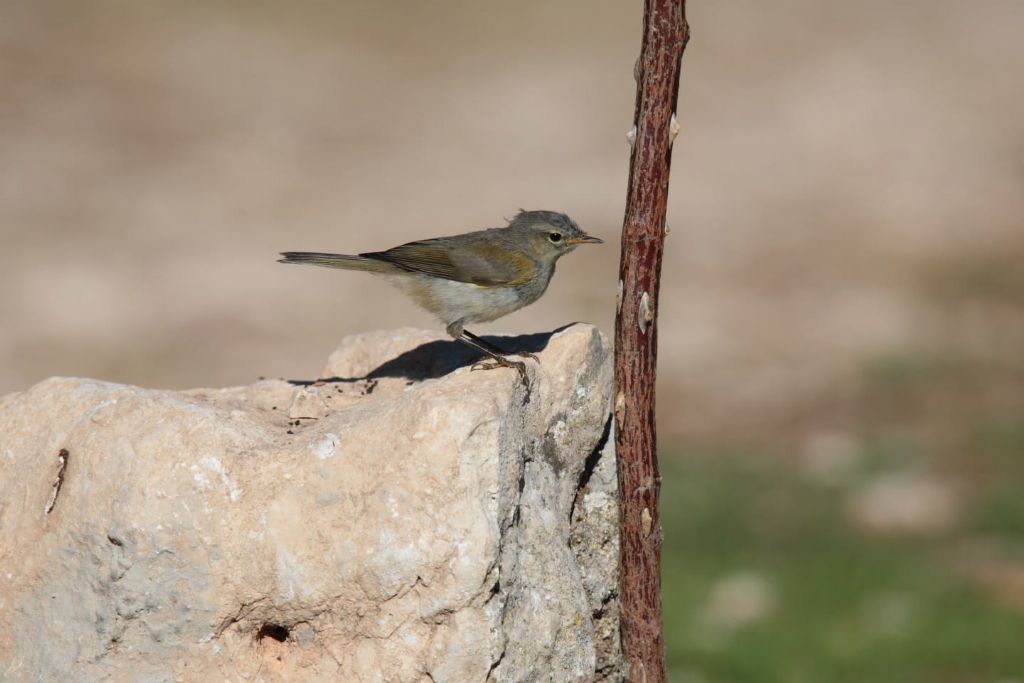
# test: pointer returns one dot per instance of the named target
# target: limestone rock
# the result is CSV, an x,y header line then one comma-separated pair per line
x,y
404,520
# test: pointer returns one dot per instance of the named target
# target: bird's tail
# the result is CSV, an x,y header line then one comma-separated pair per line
x,y
343,261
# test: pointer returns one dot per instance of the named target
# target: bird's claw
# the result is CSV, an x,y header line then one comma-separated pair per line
x,y
492,363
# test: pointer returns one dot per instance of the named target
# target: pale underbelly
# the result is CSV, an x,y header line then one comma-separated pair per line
x,y
451,301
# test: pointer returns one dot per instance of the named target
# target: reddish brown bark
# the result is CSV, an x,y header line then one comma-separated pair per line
x,y
636,338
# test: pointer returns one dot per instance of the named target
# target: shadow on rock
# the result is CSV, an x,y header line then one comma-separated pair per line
x,y
438,358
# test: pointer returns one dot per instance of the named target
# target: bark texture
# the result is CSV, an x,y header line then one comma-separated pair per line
x,y
636,341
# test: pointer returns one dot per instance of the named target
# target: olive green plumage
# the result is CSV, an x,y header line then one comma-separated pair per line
x,y
474,277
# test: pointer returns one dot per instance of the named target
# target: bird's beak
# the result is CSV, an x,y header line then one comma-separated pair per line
x,y
586,239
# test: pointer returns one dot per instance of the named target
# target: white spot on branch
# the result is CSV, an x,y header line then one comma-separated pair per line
x,y
645,315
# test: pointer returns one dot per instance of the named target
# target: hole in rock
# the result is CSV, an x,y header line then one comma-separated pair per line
x,y
274,631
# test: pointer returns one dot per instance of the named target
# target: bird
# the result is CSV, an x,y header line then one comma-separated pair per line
x,y
474,277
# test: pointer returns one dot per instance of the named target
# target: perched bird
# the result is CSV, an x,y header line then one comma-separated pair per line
x,y
471,278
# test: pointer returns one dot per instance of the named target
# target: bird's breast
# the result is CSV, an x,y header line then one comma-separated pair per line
x,y
451,300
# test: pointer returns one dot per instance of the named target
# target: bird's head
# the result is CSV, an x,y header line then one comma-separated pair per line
x,y
549,234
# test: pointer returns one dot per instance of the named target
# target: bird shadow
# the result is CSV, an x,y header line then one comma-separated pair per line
x,y
438,358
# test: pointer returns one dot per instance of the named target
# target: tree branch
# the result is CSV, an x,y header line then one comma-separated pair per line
x,y
636,339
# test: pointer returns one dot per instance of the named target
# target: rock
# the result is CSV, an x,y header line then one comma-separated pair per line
x,y
405,519
595,541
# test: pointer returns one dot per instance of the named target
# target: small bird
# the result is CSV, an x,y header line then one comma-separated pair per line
x,y
471,278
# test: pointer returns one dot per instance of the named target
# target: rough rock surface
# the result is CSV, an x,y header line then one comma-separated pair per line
x,y
405,520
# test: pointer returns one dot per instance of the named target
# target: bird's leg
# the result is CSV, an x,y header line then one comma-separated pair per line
x,y
493,350
496,357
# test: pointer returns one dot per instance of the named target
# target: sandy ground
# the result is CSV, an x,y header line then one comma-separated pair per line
x,y
847,183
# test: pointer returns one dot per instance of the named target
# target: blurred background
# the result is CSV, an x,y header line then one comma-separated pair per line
x,y
841,392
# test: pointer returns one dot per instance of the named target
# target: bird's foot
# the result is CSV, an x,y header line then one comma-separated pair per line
x,y
501,362
491,363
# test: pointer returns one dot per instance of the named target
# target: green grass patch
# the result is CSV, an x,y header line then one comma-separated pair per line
x,y
829,602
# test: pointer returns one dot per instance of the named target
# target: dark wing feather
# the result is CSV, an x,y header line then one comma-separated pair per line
x,y
471,261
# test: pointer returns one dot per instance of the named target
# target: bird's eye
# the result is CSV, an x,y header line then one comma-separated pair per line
x,y
555,237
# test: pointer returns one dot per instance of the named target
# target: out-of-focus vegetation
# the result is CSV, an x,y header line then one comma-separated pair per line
x,y
890,552
877,536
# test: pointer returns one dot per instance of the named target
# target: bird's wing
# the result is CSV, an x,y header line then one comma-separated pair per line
x,y
473,262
